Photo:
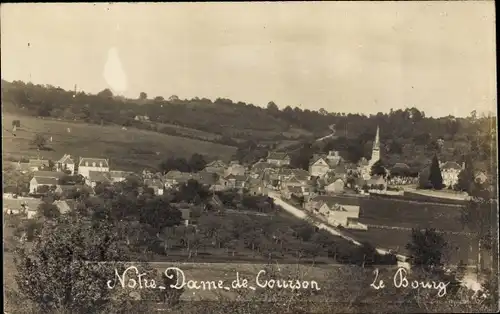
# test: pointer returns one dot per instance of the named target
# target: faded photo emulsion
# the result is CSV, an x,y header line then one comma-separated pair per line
x,y
267,157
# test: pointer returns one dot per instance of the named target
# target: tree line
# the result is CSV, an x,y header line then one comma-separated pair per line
x,y
407,135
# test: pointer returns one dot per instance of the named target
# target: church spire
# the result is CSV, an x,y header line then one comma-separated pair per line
x,y
376,143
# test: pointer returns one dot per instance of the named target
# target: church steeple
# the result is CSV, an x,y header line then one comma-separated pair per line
x,y
376,143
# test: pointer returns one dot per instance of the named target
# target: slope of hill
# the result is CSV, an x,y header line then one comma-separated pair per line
x,y
406,135
129,149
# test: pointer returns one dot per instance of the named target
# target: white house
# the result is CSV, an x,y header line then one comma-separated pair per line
x,y
319,167
449,172
44,178
66,163
336,186
92,164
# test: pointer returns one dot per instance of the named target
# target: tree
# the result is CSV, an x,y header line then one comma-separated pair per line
x,y
159,98
426,248
143,96
40,141
197,163
378,169
301,158
466,177
105,93
48,210
69,267
435,177
479,216
271,106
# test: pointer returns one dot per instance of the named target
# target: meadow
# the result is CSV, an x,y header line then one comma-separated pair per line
x,y
128,149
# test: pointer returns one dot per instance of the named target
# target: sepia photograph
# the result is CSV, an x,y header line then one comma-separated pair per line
x,y
249,157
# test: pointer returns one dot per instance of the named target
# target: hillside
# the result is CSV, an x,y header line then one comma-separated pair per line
x,y
130,149
406,135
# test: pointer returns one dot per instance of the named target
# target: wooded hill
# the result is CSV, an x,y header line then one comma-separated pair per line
x,y
406,135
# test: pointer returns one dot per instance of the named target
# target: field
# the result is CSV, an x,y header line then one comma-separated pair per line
x,y
393,212
461,246
129,149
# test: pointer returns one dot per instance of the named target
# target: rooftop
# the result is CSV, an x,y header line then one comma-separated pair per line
x,y
97,161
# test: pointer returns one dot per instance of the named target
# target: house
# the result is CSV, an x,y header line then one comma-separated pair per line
x,y
335,211
118,176
186,216
65,190
36,183
141,118
21,205
66,163
92,164
290,191
335,186
22,167
48,174
400,169
318,166
333,158
232,182
278,159
206,178
376,182
63,206
95,177
216,166
44,178
481,177
260,166
157,186
235,169
449,172
38,164
321,164
175,177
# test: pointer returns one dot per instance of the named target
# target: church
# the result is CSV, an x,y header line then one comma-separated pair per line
x,y
366,166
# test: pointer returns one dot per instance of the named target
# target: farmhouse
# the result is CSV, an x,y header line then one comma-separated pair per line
x,y
66,164
92,164
278,159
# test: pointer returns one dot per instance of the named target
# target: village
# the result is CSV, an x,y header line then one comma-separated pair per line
x,y
329,191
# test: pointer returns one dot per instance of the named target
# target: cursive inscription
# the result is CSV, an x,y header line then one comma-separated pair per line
x,y
132,278
400,280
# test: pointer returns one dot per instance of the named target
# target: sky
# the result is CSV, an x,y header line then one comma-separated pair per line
x,y
357,57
